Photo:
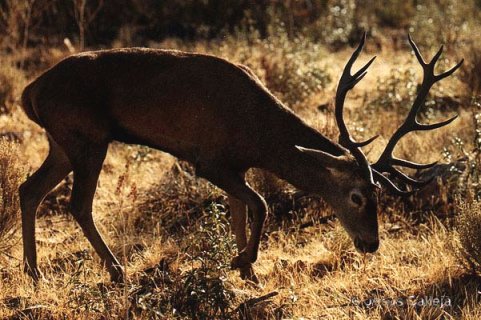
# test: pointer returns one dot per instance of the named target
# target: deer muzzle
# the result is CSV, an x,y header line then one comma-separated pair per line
x,y
366,245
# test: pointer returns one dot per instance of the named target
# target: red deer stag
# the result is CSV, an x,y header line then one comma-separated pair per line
x,y
218,116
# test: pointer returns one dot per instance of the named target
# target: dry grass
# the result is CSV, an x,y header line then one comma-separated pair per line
x,y
468,224
171,229
11,175
11,81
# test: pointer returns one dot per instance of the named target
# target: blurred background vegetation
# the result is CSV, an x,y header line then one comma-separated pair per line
x,y
333,22
283,41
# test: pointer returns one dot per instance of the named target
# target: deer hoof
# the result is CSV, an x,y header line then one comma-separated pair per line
x,y
117,275
117,278
247,273
35,274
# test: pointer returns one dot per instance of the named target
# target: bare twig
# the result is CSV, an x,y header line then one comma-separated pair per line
x,y
84,18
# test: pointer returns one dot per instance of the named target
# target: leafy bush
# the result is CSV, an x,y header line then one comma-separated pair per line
x,y
293,71
204,292
398,91
335,24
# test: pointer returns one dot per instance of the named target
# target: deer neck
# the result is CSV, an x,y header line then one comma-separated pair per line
x,y
305,173
297,168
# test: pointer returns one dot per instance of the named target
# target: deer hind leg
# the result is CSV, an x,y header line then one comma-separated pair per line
x,y
87,164
235,185
55,167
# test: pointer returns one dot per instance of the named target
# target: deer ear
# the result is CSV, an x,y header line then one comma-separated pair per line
x,y
327,160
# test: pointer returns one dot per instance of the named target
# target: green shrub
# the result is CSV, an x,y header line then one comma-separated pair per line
x,y
200,292
176,203
204,292
398,91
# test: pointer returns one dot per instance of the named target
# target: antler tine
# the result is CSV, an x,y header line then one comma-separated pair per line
x,y
346,83
433,126
354,56
390,185
409,164
416,51
366,142
450,71
386,161
407,179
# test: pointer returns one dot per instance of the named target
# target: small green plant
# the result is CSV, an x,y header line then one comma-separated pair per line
x,y
204,292
174,205
397,93
296,74
337,23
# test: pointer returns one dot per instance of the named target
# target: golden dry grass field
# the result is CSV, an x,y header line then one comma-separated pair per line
x,y
171,230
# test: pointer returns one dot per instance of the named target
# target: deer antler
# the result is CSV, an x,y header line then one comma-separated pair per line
x,y
386,161
346,83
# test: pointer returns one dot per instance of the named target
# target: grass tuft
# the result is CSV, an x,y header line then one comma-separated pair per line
x,y
11,175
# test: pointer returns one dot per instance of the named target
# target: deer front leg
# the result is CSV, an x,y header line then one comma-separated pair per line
x,y
259,213
235,185
238,211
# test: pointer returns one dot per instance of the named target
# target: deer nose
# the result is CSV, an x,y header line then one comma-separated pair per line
x,y
366,246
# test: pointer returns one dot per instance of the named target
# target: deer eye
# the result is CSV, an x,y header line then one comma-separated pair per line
x,y
356,198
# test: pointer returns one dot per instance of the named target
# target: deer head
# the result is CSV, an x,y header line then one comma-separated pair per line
x,y
356,179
